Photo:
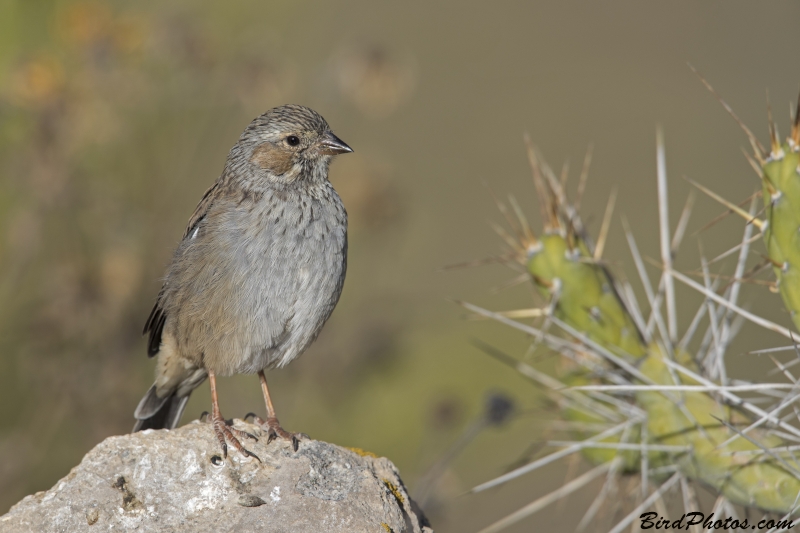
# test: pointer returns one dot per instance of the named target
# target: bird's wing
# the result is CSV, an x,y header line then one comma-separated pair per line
x,y
202,208
155,322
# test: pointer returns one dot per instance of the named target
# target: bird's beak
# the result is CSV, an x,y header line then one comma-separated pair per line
x,y
333,145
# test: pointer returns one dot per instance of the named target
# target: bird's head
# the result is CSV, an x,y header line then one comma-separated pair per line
x,y
287,144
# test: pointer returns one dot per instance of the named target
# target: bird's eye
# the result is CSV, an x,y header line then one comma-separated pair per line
x,y
292,140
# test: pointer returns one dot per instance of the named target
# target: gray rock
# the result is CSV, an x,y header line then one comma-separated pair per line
x,y
177,481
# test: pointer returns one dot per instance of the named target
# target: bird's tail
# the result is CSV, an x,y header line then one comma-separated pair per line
x,y
159,413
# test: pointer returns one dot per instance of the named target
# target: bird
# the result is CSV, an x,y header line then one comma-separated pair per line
x,y
256,275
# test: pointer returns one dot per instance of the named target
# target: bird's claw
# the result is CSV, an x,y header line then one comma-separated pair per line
x,y
251,454
242,434
274,431
226,433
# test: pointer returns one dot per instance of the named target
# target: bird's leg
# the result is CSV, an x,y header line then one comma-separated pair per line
x,y
271,424
222,429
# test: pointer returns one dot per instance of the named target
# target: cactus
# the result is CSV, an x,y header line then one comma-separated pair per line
x,y
779,170
665,415
780,177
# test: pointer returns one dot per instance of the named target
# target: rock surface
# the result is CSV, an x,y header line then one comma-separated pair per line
x,y
177,481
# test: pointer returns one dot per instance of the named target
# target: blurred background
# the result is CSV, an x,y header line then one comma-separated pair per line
x,y
115,117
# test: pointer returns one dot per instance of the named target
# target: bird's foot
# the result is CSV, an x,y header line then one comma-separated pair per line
x,y
227,433
274,430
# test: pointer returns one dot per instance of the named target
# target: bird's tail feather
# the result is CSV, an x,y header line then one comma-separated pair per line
x,y
159,413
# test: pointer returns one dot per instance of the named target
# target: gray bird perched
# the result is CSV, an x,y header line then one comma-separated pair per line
x,y
257,273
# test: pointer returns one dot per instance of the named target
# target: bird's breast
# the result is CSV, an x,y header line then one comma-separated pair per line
x,y
273,272
305,267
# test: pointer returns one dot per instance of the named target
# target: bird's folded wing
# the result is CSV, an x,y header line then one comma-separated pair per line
x,y
155,322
